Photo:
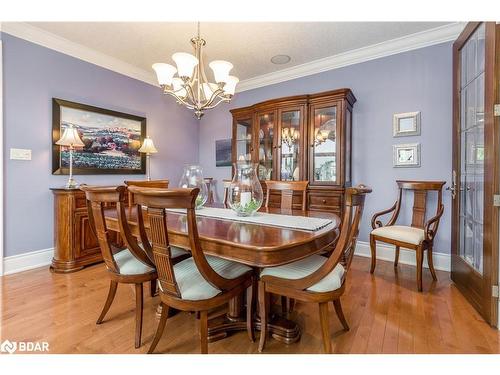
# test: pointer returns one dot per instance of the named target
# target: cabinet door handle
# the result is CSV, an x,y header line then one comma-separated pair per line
x,y
324,201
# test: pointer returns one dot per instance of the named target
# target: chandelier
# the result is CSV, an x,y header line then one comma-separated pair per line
x,y
289,136
191,87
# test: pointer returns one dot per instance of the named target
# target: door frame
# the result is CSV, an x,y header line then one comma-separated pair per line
x,y
483,301
2,199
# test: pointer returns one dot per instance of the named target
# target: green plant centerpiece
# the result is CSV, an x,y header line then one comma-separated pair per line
x,y
245,191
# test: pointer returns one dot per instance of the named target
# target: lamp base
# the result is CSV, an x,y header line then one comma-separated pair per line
x,y
71,184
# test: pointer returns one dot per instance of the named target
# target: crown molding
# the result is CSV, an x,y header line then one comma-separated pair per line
x,y
410,42
41,37
406,43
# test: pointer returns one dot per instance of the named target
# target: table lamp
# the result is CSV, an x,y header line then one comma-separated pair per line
x,y
70,139
148,148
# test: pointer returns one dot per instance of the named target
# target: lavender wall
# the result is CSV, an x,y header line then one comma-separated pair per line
x,y
418,80
32,76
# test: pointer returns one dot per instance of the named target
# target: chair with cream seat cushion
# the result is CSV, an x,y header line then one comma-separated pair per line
x,y
194,287
317,278
306,267
130,265
419,236
200,283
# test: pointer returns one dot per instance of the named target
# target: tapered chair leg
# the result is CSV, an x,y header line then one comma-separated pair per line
x,y
420,260
373,250
161,327
340,314
153,287
396,259
204,332
250,331
431,263
138,314
263,310
111,296
325,328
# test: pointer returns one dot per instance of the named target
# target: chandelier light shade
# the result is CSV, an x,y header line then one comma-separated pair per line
x,y
188,83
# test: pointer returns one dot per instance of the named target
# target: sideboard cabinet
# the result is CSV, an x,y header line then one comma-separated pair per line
x,y
75,244
304,137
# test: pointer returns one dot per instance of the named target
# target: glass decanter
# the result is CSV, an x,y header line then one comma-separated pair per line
x,y
192,177
245,191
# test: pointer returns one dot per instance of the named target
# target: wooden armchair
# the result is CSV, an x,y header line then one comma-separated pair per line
x,y
162,184
129,265
420,235
317,279
287,188
199,283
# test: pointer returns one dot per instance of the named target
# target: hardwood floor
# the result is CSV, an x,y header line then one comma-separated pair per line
x,y
385,312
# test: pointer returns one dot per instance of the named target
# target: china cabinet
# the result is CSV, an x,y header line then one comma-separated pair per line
x,y
304,137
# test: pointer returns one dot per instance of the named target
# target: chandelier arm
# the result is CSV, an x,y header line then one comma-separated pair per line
x,y
214,96
222,100
179,99
190,92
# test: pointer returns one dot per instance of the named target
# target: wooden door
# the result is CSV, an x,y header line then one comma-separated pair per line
x,y
290,150
325,143
474,267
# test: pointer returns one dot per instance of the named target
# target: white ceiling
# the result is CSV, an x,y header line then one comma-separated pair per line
x,y
249,46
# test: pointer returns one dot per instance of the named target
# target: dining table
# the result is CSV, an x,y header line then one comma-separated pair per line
x,y
254,244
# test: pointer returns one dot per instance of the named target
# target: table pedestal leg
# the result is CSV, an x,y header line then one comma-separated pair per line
x,y
280,328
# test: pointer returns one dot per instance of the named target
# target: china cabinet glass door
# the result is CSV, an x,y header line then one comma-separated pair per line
x,y
243,139
474,246
290,145
266,136
324,145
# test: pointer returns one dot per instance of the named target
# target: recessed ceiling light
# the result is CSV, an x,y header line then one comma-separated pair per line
x,y
280,59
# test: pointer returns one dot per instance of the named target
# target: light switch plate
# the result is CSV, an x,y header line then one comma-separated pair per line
x,y
20,154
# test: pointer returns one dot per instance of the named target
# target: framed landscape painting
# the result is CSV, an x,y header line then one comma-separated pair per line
x,y
111,140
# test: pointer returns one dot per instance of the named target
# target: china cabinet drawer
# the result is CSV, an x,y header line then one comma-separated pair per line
x,y
324,202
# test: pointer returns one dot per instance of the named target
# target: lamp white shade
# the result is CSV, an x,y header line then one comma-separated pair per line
x,y
178,89
230,86
185,63
164,73
70,138
148,146
221,70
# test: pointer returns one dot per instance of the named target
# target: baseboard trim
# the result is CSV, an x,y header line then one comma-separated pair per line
x,y
406,256
27,261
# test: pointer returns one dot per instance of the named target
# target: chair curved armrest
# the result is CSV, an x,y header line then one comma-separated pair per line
x,y
377,223
431,226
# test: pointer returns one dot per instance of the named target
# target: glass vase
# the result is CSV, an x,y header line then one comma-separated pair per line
x,y
245,190
192,177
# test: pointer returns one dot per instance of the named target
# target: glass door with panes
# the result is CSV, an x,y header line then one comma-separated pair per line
x,y
324,163
290,144
266,136
243,139
473,214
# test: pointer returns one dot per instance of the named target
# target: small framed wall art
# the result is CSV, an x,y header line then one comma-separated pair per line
x,y
406,155
406,124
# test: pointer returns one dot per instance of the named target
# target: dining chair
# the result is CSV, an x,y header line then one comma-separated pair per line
x,y
287,188
131,264
163,184
225,199
317,279
418,236
199,283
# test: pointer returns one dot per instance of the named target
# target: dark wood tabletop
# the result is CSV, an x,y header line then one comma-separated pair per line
x,y
253,244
